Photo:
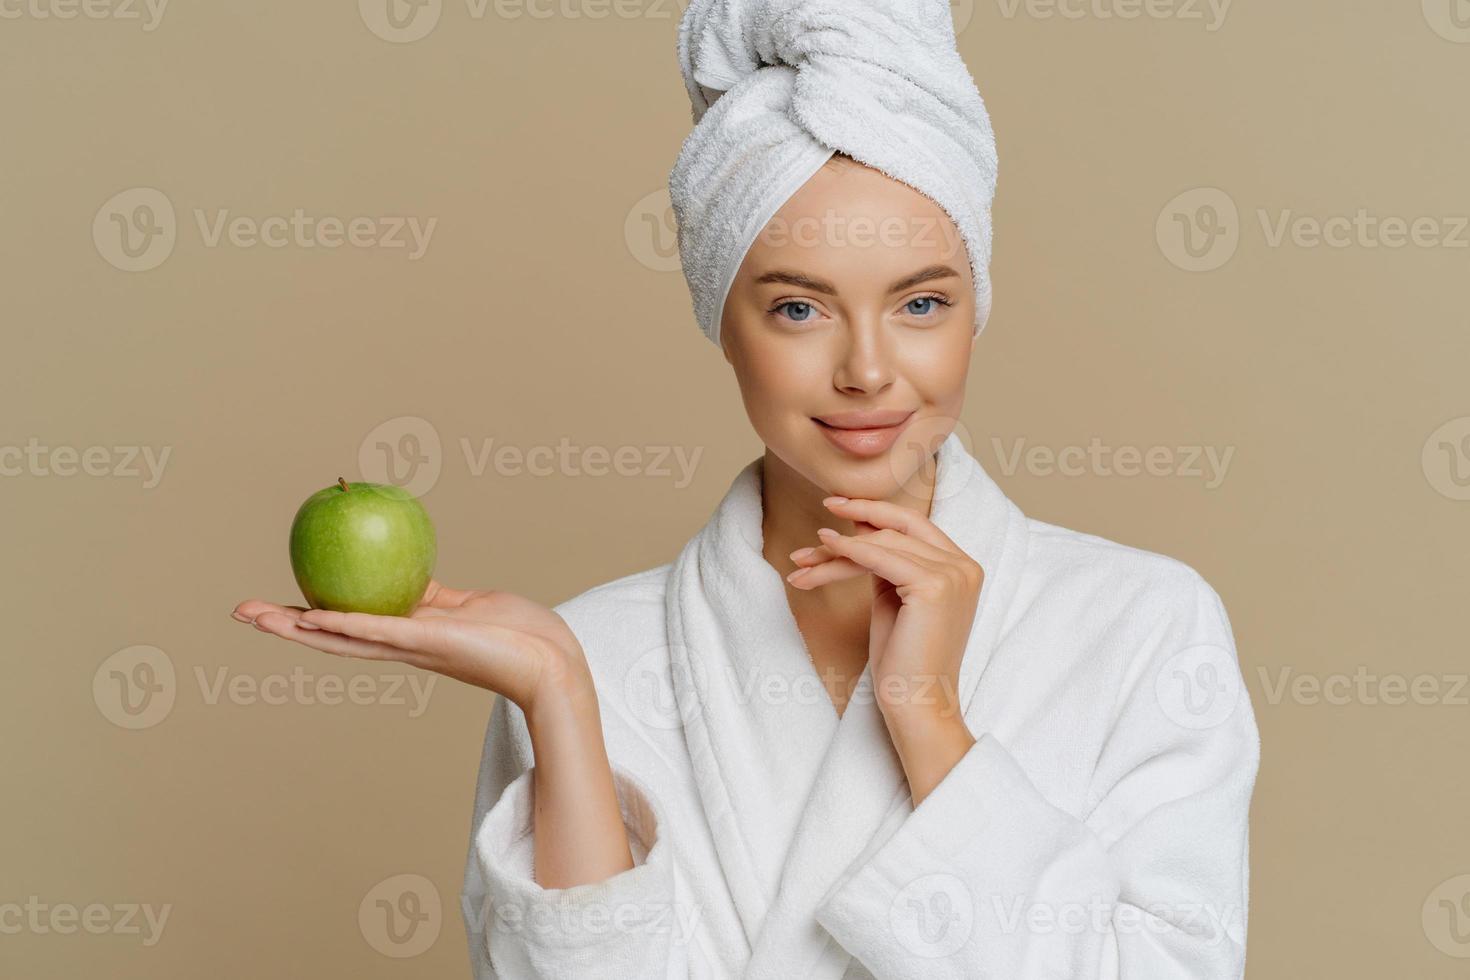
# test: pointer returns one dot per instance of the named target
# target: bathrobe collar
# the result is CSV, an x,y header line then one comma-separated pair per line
x,y
795,796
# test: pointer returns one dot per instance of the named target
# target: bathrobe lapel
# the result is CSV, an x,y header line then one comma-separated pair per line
x,y
794,796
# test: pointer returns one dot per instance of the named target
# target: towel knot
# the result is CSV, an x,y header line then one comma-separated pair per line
x,y
770,33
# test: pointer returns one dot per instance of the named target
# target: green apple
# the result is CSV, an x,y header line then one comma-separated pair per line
x,y
368,547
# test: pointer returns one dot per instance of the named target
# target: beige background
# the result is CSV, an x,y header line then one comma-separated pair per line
x,y
548,306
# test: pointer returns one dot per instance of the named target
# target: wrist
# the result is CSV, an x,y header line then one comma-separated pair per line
x,y
929,745
914,727
565,704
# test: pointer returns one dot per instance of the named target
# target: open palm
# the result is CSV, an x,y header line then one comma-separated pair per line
x,y
497,640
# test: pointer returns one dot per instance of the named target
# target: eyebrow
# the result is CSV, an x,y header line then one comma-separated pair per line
x,y
822,286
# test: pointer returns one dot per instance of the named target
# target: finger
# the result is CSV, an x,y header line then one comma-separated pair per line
x,y
836,569
405,633
883,513
441,596
897,540
249,610
433,636
804,557
813,556
893,565
833,570
286,627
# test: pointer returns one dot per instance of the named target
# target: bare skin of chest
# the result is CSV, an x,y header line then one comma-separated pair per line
x,y
837,644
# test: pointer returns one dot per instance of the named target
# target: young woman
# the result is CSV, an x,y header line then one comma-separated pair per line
x,y
872,722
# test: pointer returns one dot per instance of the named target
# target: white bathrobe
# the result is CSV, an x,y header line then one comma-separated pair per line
x,y
1097,828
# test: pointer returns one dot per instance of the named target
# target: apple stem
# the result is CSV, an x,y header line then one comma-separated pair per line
x,y
342,483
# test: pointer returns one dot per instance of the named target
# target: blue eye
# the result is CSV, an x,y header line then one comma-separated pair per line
x,y
925,299
797,303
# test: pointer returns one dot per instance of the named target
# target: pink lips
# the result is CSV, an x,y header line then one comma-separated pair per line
x,y
869,433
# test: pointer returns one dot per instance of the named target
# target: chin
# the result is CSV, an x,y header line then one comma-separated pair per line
x,y
872,477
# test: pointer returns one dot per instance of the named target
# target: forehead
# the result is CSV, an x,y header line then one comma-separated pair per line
x,y
853,222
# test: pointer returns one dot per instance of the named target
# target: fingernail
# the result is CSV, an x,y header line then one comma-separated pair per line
x,y
801,553
835,500
303,624
796,573
241,617
824,531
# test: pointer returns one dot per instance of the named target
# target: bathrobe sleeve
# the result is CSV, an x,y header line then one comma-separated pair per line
x,y
987,878
517,930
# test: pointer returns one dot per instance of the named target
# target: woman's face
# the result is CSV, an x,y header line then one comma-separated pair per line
x,y
828,326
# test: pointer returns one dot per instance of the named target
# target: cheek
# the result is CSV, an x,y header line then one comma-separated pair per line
x,y
780,389
938,370
776,385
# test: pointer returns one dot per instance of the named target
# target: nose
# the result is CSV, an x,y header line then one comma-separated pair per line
x,y
864,364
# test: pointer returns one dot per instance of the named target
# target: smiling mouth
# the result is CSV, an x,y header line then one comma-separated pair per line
x,y
864,435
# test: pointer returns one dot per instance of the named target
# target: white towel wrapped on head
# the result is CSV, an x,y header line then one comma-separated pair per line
x,y
778,86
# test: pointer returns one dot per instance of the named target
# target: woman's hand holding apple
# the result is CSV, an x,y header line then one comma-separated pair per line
x,y
497,640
